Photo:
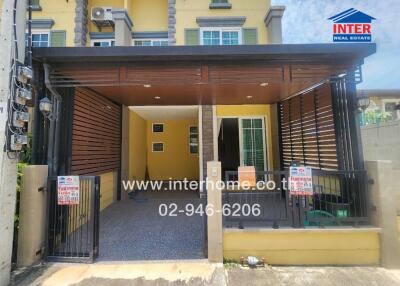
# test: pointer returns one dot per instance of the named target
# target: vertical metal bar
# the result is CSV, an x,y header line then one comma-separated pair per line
x,y
337,124
89,194
315,109
354,122
302,127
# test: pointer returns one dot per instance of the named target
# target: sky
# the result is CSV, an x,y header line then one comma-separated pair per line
x,y
305,21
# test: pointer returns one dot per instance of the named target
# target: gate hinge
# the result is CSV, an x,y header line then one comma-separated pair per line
x,y
42,189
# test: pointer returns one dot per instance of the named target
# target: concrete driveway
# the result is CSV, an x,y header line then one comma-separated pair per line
x,y
199,273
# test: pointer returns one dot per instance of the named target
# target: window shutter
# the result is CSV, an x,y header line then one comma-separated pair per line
x,y
58,39
250,36
192,37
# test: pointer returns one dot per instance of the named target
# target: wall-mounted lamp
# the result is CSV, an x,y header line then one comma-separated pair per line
x,y
46,107
363,103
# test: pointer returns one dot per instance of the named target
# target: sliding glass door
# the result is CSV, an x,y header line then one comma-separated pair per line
x,y
252,143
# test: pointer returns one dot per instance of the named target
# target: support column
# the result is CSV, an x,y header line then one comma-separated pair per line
x,y
171,22
382,194
32,215
81,22
123,27
214,201
124,150
273,22
8,169
207,137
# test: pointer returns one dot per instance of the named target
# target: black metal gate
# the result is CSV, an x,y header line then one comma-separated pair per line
x,y
73,230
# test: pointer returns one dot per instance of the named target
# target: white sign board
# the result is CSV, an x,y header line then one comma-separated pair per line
x,y
300,181
3,116
68,190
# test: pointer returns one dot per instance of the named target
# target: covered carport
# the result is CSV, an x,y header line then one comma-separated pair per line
x,y
163,76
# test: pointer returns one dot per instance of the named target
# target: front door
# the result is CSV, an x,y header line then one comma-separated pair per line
x,y
252,143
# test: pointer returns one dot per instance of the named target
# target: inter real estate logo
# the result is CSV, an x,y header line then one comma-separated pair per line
x,y
352,26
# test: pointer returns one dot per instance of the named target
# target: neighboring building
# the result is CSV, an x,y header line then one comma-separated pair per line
x,y
384,106
381,126
156,89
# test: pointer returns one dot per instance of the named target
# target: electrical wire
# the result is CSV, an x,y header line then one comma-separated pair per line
x,y
12,105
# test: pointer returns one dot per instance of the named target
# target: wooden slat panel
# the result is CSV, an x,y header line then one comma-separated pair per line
x,y
308,129
96,139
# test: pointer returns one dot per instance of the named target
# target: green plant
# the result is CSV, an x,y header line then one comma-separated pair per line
x,y
376,116
24,160
230,263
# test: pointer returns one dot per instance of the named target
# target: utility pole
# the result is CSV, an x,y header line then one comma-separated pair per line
x,y
8,161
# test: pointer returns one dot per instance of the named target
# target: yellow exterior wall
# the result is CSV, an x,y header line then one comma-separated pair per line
x,y
305,247
255,110
149,15
254,10
146,15
175,162
108,185
63,14
101,3
137,146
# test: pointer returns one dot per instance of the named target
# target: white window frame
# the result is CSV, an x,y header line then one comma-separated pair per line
x,y
395,101
41,31
154,151
152,127
92,41
265,128
151,41
220,30
190,144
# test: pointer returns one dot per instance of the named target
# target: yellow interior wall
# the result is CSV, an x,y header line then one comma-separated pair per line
x,y
249,110
149,15
175,162
254,10
63,14
108,185
137,146
305,247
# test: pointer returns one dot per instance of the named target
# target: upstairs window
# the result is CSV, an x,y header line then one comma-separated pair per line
x,y
221,36
40,39
220,4
103,43
150,42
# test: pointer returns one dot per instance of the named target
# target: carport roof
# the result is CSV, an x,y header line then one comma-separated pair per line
x,y
191,75
286,52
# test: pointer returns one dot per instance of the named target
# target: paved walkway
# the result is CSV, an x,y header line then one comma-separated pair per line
x,y
202,273
133,230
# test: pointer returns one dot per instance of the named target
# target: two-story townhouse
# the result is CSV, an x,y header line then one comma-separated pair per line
x,y
153,90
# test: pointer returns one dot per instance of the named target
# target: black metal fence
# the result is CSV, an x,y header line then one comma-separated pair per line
x,y
339,198
73,230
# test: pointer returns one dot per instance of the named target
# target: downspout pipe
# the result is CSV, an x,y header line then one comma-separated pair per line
x,y
55,130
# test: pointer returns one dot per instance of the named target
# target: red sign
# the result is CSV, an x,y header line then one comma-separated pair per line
x,y
68,190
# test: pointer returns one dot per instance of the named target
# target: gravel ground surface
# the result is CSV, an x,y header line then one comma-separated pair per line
x,y
131,230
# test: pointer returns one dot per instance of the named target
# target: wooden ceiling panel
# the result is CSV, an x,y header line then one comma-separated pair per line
x,y
191,83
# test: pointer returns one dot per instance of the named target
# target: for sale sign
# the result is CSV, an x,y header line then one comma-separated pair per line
x,y
300,181
68,190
